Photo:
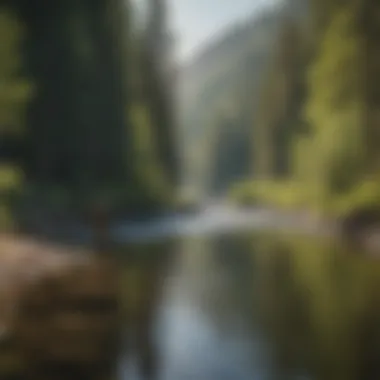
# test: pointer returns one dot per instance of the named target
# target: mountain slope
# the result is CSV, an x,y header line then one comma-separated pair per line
x,y
221,82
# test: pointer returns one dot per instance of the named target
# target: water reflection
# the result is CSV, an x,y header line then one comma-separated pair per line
x,y
241,307
204,325
319,307
208,327
263,307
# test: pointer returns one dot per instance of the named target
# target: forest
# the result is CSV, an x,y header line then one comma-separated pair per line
x,y
219,89
280,110
300,92
86,110
315,132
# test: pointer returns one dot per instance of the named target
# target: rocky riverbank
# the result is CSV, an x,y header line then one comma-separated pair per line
x,y
59,311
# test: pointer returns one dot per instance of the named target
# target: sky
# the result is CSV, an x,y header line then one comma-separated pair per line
x,y
194,22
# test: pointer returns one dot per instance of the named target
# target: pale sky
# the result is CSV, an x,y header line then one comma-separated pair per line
x,y
194,22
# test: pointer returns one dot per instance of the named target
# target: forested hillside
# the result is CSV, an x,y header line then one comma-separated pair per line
x,y
316,135
85,106
220,87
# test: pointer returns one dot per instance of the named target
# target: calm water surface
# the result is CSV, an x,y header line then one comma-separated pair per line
x,y
251,305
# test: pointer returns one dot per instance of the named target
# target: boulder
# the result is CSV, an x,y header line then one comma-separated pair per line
x,y
59,308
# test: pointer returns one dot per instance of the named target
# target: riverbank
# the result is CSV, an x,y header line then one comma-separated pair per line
x,y
212,219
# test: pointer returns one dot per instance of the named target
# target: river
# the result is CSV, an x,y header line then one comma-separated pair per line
x,y
240,302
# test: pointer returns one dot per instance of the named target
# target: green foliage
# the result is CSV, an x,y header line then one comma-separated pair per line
x,y
334,110
11,180
147,164
281,194
91,130
332,162
334,107
15,93
244,194
14,90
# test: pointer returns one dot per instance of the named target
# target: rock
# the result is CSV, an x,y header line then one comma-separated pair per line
x,y
361,230
59,306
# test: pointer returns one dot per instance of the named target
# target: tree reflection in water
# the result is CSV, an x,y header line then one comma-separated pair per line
x,y
230,297
319,307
